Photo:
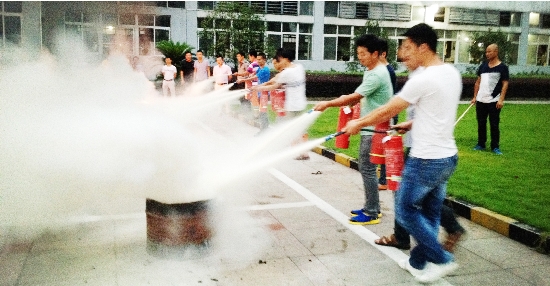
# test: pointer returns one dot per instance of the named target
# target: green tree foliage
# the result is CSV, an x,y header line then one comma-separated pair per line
x,y
175,51
483,39
372,27
232,27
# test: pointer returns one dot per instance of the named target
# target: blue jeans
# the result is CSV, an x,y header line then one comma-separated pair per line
x,y
418,206
368,173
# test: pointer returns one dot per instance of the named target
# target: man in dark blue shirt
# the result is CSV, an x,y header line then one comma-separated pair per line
x,y
489,93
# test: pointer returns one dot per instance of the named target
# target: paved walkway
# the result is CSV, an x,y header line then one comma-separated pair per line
x,y
284,226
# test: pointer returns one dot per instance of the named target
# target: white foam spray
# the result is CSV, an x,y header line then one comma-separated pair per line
x,y
79,138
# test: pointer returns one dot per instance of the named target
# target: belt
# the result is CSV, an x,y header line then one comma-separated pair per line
x,y
168,79
221,83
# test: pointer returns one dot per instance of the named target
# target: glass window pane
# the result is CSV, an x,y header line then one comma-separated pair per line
x,y
162,21
273,42
505,18
515,19
176,4
274,26
534,19
127,19
330,48
418,13
146,20
73,16
13,28
306,28
145,40
1,31
88,18
110,19
306,7
91,39
289,27
331,8
343,49
344,30
545,23
162,35
463,52
206,5
532,54
304,47
289,42
13,6
330,29
542,54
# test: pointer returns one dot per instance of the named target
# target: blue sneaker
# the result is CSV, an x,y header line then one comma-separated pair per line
x,y
364,219
497,151
479,148
362,211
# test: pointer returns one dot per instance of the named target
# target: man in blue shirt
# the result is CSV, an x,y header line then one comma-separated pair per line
x,y
262,75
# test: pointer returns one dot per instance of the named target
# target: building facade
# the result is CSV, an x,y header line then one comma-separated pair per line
x,y
320,32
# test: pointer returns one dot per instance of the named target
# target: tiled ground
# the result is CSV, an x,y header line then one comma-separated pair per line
x,y
267,233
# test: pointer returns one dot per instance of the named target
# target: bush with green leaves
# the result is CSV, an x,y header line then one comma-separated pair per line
x,y
483,39
175,51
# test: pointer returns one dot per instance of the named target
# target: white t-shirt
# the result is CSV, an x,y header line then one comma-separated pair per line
x,y
407,141
293,79
435,93
221,73
169,71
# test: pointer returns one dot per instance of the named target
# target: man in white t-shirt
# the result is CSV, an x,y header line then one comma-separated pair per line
x,y
292,79
169,73
433,157
221,73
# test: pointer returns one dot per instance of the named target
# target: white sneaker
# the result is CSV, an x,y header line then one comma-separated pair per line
x,y
434,272
417,273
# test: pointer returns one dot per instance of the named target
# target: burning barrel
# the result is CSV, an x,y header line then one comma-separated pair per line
x,y
176,228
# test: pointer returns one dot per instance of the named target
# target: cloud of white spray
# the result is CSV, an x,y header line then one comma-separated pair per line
x,y
77,138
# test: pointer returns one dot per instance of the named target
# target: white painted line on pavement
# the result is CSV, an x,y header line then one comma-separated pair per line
x,y
367,235
281,206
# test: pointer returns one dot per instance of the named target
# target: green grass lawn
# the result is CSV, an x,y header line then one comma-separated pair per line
x,y
516,184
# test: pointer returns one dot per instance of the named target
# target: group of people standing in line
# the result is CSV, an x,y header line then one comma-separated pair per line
x,y
431,96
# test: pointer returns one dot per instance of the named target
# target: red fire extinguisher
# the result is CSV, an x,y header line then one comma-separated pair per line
x,y
345,115
377,148
393,150
278,101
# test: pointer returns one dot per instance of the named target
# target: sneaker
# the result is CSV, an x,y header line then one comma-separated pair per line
x,y
478,148
364,219
362,211
417,273
497,151
434,272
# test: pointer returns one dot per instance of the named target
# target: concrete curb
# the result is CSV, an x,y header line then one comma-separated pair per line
x,y
506,226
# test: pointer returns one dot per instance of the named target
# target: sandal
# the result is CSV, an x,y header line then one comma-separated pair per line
x,y
302,157
391,241
451,241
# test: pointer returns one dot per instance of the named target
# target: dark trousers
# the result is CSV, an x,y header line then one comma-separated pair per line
x,y
448,221
484,110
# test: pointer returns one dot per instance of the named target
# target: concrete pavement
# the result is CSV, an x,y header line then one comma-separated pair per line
x,y
299,210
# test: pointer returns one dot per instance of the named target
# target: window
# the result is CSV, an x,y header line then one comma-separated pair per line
x,y
439,15
545,22
292,36
389,11
306,8
10,22
83,26
537,20
474,17
337,42
206,5
537,50
176,4
331,8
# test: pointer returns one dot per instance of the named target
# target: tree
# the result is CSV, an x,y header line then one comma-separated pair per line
x,y
372,27
231,27
175,51
483,39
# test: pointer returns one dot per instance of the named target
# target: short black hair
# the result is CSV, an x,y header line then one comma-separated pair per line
x,y
219,56
200,51
383,46
241,53
422,34
253,53
263,55
284,53
188,52
369,42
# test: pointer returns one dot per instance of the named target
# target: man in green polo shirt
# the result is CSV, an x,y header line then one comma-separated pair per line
x,y
375,90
